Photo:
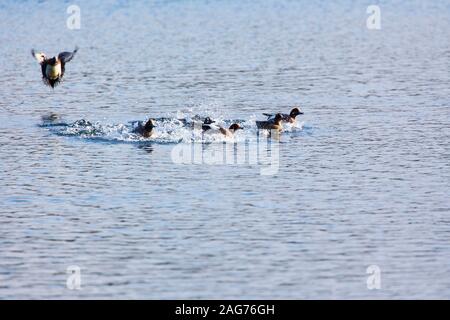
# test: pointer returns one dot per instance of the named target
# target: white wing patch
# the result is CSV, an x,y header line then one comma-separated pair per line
x,y
39,56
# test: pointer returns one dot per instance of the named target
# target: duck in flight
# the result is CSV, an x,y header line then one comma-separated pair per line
x,y
289,118
53,68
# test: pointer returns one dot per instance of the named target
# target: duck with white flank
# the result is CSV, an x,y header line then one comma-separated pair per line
x,y
209,127
206,125
53,68
231,130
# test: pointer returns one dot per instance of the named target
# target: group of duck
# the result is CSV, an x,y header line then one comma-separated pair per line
x,y
274,122
53,69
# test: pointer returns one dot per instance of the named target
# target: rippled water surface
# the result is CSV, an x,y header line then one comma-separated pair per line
x,y
362,180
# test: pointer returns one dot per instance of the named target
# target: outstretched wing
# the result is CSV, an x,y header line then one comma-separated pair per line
x,y
65,57
39,56
269,116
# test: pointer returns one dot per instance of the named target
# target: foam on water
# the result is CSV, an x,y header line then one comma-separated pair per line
x,y
167,130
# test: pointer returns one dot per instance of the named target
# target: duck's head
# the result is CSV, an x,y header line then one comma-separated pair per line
x,y
208,120
149,125
295,112
235,126
53,61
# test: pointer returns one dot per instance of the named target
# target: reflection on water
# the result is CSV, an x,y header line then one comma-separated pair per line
x,y
362,181
146,148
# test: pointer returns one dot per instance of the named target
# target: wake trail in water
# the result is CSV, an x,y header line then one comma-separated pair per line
x,y
186,129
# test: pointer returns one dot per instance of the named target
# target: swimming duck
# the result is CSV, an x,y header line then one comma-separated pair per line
x,y
212,129
231,130
206,125
289,118
274,124
145,130
53,68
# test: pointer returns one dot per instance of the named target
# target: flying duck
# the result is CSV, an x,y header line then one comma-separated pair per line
x,y
53,68
274,124
289,118
145,130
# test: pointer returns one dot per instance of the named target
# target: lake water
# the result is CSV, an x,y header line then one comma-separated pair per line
x,y
363,179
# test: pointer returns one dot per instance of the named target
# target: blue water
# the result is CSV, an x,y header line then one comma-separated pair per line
x,y
363,178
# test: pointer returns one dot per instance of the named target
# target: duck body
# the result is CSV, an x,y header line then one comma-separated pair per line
x,y
274,124
209,127
207,124
231,130
145,130
53,72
